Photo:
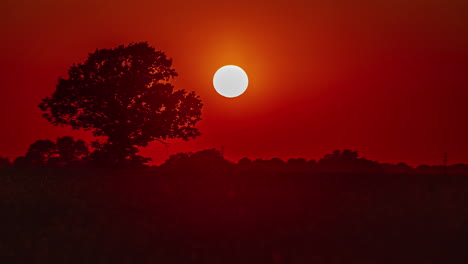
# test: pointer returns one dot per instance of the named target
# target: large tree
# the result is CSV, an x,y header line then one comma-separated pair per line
x,y
124,94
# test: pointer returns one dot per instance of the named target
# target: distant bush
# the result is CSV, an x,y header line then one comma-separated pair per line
x,y
203,158
65,152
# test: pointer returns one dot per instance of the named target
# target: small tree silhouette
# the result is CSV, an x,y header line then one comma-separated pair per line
x,y
40,153
178,160
70,150
204,158
45,153
245,162
20,162
124,94
346,160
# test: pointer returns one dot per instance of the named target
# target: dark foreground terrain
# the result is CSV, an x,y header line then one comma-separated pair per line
x,y
230,215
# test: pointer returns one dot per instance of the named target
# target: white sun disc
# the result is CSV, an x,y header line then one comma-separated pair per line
x,y
230,81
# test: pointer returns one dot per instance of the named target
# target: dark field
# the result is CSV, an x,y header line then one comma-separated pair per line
x,y
230,215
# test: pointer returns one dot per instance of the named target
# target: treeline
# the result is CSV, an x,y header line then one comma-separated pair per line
x,y
67,152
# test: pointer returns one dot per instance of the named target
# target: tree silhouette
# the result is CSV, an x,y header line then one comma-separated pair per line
x,y
208,157
70,150
180,159
346,160
40,152
204,158
20,162
245,162
125,95
403,168
45,153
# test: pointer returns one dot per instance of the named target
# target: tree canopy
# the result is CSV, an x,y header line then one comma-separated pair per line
x,y
124,94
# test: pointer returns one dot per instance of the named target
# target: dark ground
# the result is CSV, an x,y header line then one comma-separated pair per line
x,y
230,215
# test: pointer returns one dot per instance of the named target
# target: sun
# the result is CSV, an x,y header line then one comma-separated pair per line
x,y
230,81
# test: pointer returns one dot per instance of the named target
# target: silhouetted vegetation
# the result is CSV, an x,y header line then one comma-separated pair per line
x,y
205,159
125,95
347,161
66,152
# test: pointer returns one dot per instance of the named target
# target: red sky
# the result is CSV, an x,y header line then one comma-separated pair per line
x,y
386,78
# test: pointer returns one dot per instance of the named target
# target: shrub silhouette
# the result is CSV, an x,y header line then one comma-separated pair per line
x,y
125,95
204,158
66,152
179,159
40,153
245,162
208,157
346,160
20,162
